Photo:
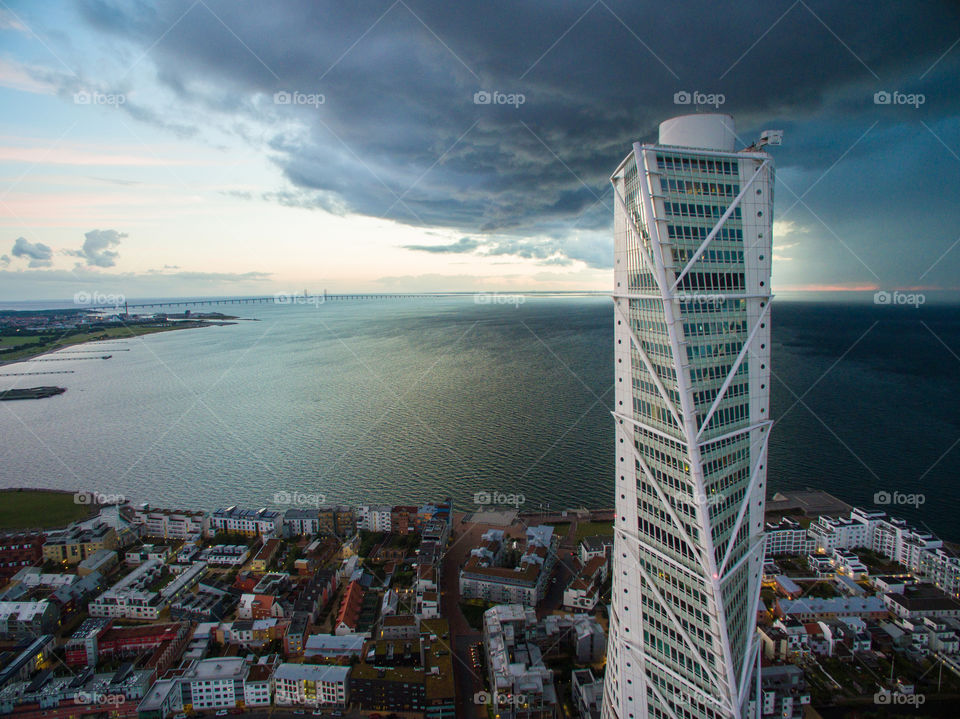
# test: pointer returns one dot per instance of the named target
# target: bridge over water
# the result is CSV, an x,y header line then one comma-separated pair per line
x,y
279,299
317,299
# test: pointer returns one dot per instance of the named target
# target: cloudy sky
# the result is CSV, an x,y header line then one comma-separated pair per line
x,y
231,147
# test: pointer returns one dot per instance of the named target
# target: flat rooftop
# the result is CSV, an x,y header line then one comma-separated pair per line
x,y
925,598
496,518
809,502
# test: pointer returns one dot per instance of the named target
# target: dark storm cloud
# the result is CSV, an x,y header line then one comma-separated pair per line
x,y
398,133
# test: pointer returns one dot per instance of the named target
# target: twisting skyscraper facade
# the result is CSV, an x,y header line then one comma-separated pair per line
x,y
692,233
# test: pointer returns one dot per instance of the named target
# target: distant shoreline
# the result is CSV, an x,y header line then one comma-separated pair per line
x,y
112,332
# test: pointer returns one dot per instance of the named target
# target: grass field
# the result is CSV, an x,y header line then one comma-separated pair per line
x,y
589,529
14,341
26,509
75,338
473,610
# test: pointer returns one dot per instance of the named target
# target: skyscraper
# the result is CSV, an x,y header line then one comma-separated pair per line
x,y
692,233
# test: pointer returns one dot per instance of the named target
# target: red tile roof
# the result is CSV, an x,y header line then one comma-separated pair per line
x,y
350,605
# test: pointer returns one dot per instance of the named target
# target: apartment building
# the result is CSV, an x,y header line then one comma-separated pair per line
x,y
171,523
249,522
482,577
131,597
374,517
22,620
301,522
19,550
313,685
75,543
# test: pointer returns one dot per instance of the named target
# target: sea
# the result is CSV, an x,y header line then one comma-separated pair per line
x,y
418,399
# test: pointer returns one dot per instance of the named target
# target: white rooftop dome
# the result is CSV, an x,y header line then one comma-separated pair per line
x,y
713,131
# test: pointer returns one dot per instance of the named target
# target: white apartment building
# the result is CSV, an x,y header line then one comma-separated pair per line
x,y
594,546
226,555
312,685
171,523
258,686
788,538
829,533
164,699
374,517
130,598
217,683
941,567
515,667
482,578
251,522
920,552
210,684
428,605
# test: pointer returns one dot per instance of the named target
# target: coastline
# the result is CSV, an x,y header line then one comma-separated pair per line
x,y
114,333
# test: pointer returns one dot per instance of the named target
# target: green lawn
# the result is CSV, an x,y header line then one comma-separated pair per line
x,y
473,610
12,341
24,509
589,529
369,540
823,590
69,337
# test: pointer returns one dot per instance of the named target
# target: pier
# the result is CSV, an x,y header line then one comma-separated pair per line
x,y
77,352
